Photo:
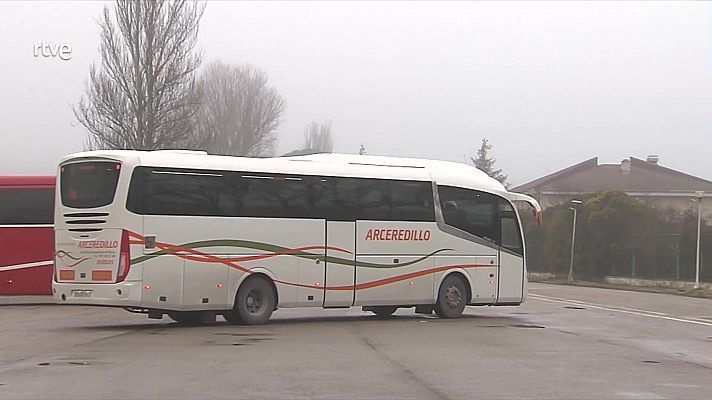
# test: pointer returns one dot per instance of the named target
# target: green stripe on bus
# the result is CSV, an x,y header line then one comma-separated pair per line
x,y
276,249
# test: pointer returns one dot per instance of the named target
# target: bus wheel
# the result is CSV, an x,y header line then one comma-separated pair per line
x,y
451,297
254,303
233,317
187,317
383,311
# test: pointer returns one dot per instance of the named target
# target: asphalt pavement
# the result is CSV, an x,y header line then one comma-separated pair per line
x,y
564,342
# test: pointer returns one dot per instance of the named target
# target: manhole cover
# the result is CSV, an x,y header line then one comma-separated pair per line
x,y
574,308
651,362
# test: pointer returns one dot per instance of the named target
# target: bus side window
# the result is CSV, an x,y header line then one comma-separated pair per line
x,y
232,198
472,211
510,237
412,201
373,200
331,198
348,199
273,196
26,206
161,191
157,191
291,193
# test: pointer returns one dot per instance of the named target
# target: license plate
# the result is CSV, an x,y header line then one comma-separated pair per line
x,y
81,293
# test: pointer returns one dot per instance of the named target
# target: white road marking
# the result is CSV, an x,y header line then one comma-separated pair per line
x,y
583,303
643,313
640,395
28,265
703,319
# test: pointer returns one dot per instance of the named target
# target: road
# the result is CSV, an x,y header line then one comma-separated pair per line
x,y
564,342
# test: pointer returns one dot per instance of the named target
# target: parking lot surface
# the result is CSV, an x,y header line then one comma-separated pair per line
x,y
564,342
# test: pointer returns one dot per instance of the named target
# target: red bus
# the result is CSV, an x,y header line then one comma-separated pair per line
x,y
26,234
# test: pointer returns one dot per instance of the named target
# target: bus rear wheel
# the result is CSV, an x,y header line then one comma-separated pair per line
x,y
188,317
254,303
451,298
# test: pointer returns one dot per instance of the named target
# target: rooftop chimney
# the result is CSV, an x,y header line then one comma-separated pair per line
x,y
625,166
653,159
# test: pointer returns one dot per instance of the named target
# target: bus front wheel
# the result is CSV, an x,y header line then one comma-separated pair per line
x,y
451,297
254,303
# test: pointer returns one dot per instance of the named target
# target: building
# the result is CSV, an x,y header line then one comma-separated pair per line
x,y
657,186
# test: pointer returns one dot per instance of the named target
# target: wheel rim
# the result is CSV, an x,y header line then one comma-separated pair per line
x,y
254,301
453,297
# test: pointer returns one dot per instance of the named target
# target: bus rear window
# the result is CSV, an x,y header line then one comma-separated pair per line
x,y
89,184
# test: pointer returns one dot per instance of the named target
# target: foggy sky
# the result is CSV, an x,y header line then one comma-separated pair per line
x,y
549,84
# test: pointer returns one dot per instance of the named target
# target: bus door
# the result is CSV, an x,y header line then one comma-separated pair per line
x,y
340,263
511,257
162,275
511,278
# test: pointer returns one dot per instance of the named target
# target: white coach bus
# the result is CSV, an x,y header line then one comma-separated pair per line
x,y
193,235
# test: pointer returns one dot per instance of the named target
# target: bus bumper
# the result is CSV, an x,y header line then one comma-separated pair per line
x,y
124,294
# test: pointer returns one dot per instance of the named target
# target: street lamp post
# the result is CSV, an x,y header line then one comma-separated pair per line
x,y
573,241
699,224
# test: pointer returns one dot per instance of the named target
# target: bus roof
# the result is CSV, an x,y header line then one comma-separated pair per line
x,y
366,166
443,172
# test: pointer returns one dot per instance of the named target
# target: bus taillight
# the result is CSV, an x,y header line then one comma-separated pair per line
x,y
124,257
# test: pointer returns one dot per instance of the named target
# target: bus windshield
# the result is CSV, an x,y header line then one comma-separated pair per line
x,y
89,184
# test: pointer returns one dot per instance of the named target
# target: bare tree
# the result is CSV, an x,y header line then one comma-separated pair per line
x,y
144,94
240,113
318,137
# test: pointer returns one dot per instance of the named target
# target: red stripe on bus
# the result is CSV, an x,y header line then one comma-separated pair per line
x,y
389,280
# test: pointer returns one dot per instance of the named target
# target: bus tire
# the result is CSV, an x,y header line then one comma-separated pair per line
x,y
383,311
254,302
187,317
233,317
451,297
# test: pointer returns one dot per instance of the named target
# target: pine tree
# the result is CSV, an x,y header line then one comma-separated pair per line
x,y
486,163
